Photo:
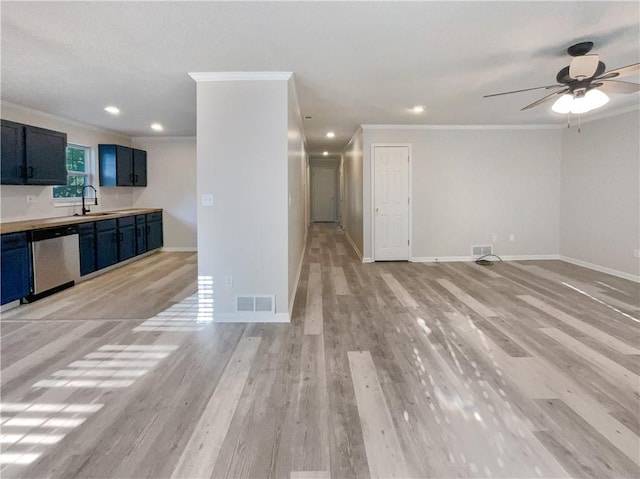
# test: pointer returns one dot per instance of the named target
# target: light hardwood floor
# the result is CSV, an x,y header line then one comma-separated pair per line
x,y
523,369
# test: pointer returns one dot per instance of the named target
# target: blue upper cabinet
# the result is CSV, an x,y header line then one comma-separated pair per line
x,y
32,156
122,166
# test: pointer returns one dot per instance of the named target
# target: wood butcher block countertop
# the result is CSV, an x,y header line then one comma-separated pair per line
x,y
28,225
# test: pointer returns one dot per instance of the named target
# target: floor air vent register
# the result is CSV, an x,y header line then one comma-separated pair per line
x,y
255,304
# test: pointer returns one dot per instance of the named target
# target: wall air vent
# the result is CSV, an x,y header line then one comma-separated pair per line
x,y
481,250
256,303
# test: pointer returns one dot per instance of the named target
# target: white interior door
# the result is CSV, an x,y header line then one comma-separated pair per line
x,y
323,187
391,203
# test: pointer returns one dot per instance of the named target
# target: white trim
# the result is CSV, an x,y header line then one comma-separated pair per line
x,y
467,259
463,127
353,245
251,318
602,269
296,103
10,305
179,248
240,76
297,280
372,170
367,260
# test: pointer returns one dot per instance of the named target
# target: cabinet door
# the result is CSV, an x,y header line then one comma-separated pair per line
x,y
106,248
154,235
141,238
124,166
87,250
12,159
16,268
127,237
46,156
139,167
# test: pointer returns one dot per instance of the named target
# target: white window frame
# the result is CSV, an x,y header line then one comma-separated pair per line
x,y
88,174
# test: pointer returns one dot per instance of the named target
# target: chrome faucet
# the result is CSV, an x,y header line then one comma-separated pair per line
x,y
84,209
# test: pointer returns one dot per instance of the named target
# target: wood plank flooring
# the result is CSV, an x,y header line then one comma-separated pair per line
x,y
523,369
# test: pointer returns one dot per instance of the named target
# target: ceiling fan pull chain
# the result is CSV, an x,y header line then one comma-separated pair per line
x,y
579,124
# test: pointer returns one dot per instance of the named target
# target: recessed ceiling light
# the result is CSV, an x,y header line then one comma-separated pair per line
x,y
418,109
157,127
325,153
114,110
331,134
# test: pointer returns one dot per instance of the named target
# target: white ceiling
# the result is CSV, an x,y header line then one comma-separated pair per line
x,y
353,63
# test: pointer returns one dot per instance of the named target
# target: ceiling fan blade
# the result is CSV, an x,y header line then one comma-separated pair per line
x,y
620,72
526,89
544,99
584,66
616,86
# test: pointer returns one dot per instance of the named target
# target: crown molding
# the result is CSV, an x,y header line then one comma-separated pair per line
x,y
462,127
240,76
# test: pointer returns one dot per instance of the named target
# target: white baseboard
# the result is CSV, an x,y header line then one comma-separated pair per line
x,y
353,245
179,248
602,269
450,259
367,260
251,318
297,281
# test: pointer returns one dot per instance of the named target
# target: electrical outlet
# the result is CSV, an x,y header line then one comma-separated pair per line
x,y
207,200
31,199
228,281
512,237
494,238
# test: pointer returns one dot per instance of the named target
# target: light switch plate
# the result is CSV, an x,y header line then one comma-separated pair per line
x,y
207,200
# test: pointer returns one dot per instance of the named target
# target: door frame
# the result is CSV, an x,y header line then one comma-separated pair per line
x,y
336,188
373,197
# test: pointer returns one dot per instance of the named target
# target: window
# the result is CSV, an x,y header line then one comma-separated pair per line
x,y
78,173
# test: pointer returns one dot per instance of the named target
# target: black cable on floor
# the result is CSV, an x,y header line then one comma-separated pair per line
x,y
485,262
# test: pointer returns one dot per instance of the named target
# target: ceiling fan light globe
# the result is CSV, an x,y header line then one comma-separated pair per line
x,y
596,98
563,104
581,105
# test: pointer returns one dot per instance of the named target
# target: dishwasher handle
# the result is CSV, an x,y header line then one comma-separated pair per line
x,y
49,233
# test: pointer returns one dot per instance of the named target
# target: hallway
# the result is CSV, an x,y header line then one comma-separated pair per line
x,y
523,369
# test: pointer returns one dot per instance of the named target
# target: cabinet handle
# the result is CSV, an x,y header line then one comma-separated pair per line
x,y
30,170
21,172
121,236
135,179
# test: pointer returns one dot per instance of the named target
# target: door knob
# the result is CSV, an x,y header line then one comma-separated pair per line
x,y
377,210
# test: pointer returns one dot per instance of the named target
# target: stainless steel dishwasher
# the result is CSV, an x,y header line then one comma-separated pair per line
x,y
56,259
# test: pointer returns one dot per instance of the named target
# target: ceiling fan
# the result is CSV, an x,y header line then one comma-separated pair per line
x,y
583,84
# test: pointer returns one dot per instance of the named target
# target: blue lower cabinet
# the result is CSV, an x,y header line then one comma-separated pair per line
x,y
126,238
141,234
16,267
106,243
87,240
154,231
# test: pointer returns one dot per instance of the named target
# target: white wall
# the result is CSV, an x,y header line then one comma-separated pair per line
x,y
296,174
471,184
171,180
14,197
352,220
242,160
600,212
